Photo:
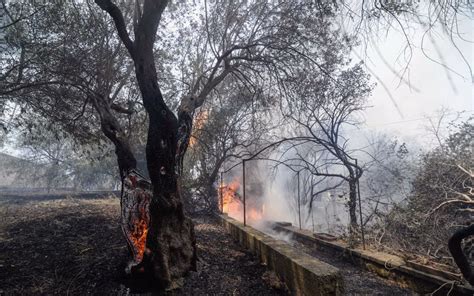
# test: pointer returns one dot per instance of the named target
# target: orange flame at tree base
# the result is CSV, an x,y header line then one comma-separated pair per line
x,y
135,216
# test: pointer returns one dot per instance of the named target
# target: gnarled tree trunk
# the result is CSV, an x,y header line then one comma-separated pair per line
x,y
170,239
160,237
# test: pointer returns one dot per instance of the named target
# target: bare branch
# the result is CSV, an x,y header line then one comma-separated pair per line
x,y
119,21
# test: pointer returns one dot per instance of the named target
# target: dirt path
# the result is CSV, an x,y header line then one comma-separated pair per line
x,y
74,246
224,268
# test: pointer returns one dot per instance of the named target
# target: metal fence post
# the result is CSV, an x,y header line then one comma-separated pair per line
x,y
222,188
299,202
243,188
360,212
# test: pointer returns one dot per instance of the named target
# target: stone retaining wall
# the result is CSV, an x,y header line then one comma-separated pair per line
x,y
303,274
383,264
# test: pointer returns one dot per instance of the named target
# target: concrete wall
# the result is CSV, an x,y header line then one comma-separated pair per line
x,y
303,274
385,265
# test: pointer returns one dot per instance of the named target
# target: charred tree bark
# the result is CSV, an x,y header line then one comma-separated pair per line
x,y
112,130
355,172
135,217
169,250
170,238
136,190
459,257
353,203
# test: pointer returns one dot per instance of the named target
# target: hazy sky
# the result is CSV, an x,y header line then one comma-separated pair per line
x,y
433,87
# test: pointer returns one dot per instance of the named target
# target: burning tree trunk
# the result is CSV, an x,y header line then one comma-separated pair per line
x,y
171,235
160,237
136,190
135,216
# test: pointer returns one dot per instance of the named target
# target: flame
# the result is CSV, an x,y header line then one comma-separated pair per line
x,y
231,199
254,215
139,228
232,203
199,121
135,214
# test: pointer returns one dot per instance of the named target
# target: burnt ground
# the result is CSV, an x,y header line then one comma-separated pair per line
x,y
224,268
59,245
356,280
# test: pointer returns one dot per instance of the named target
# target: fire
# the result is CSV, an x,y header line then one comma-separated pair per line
x,y
232,203
254,215
139,228
231,199
135,213
199,121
